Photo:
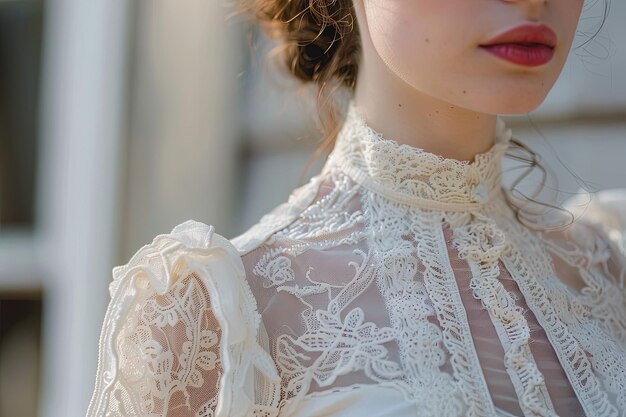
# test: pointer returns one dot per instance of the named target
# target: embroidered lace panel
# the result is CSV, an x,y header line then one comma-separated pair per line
x,y
409,270
393,268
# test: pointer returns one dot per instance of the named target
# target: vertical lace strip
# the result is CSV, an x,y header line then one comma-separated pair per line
x,y
480,242
441,286
421,342
553,309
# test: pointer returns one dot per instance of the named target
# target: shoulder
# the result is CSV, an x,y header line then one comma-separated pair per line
x,y
605,213
590,247
190,245
193,257
279,217
182,322
588,259
600,226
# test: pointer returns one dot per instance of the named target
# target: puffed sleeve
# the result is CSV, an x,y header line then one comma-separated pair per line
x,y
180,335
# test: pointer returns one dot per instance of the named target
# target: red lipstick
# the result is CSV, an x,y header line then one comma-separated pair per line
x,y
528,44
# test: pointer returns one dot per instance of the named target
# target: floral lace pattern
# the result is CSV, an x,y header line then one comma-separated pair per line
x,y
180,334
395,274
393,202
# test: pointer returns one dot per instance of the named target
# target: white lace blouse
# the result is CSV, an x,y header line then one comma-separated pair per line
x,y
395,283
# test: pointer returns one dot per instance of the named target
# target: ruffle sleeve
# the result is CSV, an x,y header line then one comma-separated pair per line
x,y
180,335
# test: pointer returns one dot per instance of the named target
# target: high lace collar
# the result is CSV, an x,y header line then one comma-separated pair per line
x,y
411,175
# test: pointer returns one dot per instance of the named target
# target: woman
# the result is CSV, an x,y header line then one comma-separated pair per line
x,y
402,280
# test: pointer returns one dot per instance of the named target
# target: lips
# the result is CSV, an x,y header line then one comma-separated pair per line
x,y
527,45
526,34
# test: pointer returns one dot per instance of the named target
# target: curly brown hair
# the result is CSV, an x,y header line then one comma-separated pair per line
x,y
319,43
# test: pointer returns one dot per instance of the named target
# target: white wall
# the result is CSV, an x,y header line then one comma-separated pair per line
x,y
183,133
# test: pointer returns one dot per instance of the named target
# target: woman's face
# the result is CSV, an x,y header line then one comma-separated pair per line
x,y
433,45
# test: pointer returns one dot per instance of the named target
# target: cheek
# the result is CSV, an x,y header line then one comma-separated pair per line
x,y
415,35
393,25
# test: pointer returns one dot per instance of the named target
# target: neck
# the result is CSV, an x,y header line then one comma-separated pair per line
x,y
407,115
413,176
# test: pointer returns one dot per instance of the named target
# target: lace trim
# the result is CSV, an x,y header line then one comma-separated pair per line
x,y
370,184
480,242
606,299
280,217
409,311
414,176
601,301
564,337
444,292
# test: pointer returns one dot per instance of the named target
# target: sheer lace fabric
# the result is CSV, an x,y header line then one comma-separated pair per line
x,y
180,334
394,283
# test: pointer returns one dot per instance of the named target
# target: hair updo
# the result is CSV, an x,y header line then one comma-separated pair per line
x,y
319,43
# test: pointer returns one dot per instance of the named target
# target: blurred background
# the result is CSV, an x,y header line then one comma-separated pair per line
x,y
121,119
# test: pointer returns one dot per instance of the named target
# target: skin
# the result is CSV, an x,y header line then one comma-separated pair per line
x,y
424,81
